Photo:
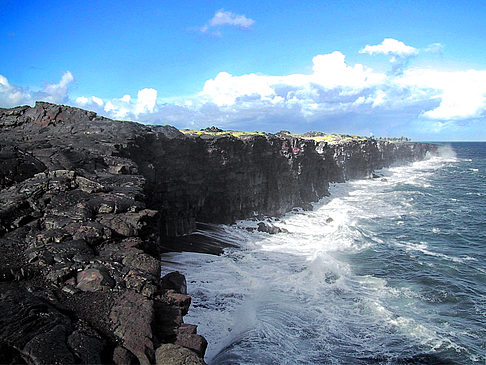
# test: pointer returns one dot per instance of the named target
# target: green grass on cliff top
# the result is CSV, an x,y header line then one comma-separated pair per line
x,y
316,136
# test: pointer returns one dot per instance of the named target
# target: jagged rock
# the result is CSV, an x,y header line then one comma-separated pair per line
x,y
91,232
176,281
270,228
94,280
87,203
17,166
187,328
89,186
131,320
137,259
170,354
329,220
86,345
192,341
212,129
121,356
307,206
127,224
33,327
60,272
178,300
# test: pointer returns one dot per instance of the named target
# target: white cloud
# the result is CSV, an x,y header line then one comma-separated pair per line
x,y
400,53
436,48
122,108
333,85
57,93
334,93
146,101
333,88
392,47
89,101
226,18
11,95
462,94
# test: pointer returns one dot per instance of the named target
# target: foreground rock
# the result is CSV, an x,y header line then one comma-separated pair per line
x,y
87,205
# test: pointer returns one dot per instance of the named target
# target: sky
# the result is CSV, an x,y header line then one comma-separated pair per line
x,y
382,68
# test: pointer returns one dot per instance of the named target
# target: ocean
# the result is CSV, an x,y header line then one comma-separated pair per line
x,y
396,276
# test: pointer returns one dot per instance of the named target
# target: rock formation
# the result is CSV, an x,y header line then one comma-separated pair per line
x,y
87,204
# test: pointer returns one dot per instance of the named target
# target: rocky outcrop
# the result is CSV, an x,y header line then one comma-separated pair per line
x,y
87,205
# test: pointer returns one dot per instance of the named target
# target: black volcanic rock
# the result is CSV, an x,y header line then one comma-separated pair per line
x,y
87,204
176,281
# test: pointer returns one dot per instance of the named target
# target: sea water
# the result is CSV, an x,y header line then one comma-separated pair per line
x,y
397,277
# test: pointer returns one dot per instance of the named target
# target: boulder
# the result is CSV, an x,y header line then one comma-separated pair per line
x,y
174,280
192,341
94,279
171,354
270,228
86,345
131,320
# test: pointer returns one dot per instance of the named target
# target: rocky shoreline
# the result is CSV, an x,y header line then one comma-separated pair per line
x,y
88,204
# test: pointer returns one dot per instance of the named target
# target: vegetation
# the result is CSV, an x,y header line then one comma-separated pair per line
x,y
214,131
315,136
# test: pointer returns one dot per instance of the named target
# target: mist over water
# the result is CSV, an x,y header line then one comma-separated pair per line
x,y
397,277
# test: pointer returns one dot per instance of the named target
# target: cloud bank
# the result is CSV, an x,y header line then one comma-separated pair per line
x,y
336,96
11,95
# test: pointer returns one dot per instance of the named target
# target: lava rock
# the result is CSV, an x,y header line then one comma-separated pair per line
x,y
33,327
192,341
171,354
94,280
176,281
270,228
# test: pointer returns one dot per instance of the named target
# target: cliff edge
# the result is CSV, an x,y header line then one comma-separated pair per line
x,y
88,204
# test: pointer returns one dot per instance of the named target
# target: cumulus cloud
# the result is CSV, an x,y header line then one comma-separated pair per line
x,y
226,18
334,96
400,53
462,94
89,101
333,85
146,101
56,93
11,95
122,108
392,47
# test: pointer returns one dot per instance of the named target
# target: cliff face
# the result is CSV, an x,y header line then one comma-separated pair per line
x,y
219,179
87,204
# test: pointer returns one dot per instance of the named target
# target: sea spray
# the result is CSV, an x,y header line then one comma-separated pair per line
x,y
397,275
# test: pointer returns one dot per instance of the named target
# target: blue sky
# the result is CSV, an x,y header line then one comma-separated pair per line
x,y
388,68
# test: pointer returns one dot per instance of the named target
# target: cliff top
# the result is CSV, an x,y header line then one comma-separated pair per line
x,y
44,114
333,138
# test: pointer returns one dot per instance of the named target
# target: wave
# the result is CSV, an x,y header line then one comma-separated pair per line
x,y
331,289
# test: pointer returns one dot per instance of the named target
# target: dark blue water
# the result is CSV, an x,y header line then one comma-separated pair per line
x,y
398,276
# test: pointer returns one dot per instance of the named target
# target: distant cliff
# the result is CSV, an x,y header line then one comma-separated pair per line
x,y
87,205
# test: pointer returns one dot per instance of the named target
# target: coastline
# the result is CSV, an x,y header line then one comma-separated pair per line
x,y
89,204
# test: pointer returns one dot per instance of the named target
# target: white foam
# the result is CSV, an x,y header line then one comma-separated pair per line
x,y
289,286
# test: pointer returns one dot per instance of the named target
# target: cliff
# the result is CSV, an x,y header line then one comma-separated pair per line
x,y
88,204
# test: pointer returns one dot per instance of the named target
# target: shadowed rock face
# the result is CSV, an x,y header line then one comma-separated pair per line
x,y
87,205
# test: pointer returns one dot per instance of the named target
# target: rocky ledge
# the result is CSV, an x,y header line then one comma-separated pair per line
x,y
88,204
